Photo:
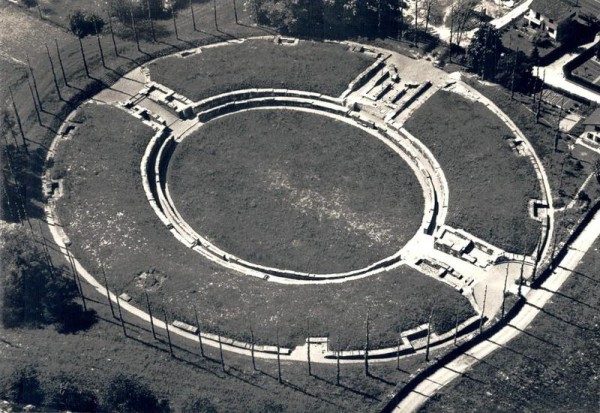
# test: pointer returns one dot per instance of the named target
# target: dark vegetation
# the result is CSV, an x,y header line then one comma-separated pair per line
x,y
73,370
92,371
552,366
331,19
104,201
34,293
487,57
83,25
314,67
490,186
295,190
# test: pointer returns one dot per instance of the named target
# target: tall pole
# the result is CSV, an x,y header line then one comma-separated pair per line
x,y
235,11
308,347
539,106
514,71
428,335
168,333
215,14
337,362
46,249
398,353
504,291
482,311
367,347
99,44
34,84
37,111
87,72
112,34
53,72
112,310
137,40
456,323
557,134
72,266
199,333
221,351
278,357
174,22
401,24
255,6
121,315
252,349
60,62
18,121
193,16
152,22
76,277
416,21
521,276
150,314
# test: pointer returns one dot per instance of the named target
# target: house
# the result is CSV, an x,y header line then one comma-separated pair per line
x,y
557,17
592,127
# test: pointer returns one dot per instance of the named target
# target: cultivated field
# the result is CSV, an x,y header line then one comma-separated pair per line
x,y
490,186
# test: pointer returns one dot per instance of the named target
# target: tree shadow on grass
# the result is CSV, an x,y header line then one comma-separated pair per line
x,y
345,387
76,320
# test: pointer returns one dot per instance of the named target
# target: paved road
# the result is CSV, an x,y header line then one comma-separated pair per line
x,y
535,301
553,75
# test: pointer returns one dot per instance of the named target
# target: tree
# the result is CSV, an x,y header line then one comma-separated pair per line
x,y
23,386
128,394
597,170
461,14
65,393
483,51
83,25
32,293
535,55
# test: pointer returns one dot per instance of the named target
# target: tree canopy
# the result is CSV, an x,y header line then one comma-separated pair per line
x,y
83,24
331,18
32,293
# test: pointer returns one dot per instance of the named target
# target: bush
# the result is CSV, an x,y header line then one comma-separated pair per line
x,y
83,25
22,386
66,394
33,294
128,394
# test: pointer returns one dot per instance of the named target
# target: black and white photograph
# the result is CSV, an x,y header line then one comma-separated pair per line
x,y
311,206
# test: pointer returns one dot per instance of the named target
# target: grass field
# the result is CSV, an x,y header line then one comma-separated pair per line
x,y
490,186
84,363
314,67
553,366
295,190
564,182
106,214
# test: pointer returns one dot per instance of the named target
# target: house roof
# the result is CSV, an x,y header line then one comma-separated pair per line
x,y
560,9
593,119
554,9
590,7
